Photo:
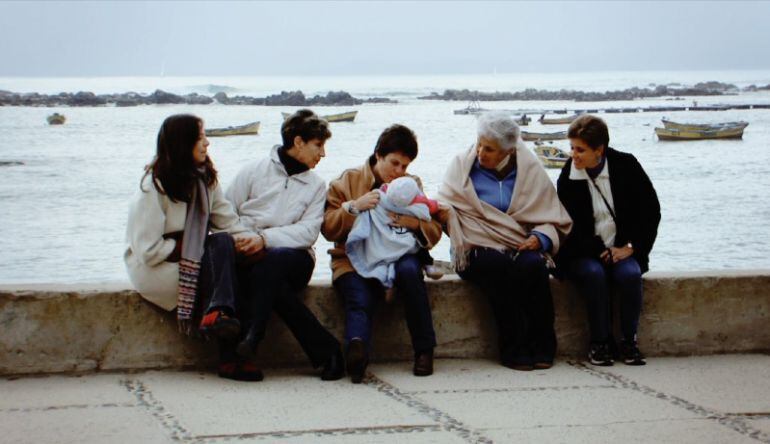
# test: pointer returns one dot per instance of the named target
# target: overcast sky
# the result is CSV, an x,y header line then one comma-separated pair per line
x,y
320,38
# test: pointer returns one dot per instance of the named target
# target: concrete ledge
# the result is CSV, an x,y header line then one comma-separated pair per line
x,y
64,328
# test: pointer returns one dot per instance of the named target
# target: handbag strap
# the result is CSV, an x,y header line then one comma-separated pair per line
x,y
607,204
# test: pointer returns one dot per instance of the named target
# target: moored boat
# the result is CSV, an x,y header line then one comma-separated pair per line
x,y
703,126
559,135
557,120
241,130
331,118
56,119
551,156
716,133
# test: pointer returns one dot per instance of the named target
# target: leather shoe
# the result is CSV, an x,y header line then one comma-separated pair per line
x,y
243,371
220,325
423,364
356,360
333,368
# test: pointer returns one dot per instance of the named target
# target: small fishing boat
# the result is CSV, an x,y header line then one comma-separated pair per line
x,y
242,130
331,118
703,126
557,120
551,156
472,108
56,119
559,135
715,133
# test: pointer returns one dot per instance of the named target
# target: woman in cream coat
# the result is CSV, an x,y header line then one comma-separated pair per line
x,y
171,258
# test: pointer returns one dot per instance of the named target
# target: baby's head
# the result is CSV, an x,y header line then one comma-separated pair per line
x,y
402,191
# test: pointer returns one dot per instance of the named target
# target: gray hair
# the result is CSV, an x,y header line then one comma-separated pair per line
x,y
500,127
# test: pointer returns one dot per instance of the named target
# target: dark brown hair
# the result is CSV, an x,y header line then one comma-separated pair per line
x,y
305,124
397,138
591,130
173,170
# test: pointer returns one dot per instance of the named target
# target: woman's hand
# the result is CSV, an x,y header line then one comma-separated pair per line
x,y
367,201
404,221
442,216
249,245
532,243
616,254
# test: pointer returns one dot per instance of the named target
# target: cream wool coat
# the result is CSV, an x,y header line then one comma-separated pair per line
x,y
153,214
286,210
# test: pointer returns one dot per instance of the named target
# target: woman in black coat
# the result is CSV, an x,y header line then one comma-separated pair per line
x,y
616,213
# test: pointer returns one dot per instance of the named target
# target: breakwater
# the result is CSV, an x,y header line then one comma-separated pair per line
x,y
62,328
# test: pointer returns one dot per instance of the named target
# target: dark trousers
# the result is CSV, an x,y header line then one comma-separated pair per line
x,y
218,285
362,297
273,283
519,293
595,281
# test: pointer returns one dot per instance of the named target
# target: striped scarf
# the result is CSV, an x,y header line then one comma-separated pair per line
x,y
193,241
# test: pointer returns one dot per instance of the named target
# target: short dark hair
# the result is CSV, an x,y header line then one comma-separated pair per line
x,y
173,166
397,138
305,124
591,130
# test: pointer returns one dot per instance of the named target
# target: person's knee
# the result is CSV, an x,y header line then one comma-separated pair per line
x,y
588,270
627,273
221,241
408,268
531,263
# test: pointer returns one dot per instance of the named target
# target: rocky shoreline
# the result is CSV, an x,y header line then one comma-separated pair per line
x,y
160,97
711,88
343,98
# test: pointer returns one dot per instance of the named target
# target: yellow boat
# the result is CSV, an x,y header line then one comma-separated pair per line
x,y
551,156
717,133
331,118
702,126
557,120
56,119
543,136
242,130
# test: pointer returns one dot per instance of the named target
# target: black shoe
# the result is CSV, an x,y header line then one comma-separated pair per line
x,y
356,360
333,368
630,353
247,348
423,364
599,354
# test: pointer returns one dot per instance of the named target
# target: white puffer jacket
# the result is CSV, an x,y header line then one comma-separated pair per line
x,y
153,214
286,210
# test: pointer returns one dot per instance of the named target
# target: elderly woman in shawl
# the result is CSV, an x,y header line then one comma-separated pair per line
x,y
505,221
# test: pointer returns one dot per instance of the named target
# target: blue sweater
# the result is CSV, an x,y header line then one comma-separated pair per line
x,y
499,193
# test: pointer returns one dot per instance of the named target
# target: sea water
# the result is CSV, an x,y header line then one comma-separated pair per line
x,y
64,209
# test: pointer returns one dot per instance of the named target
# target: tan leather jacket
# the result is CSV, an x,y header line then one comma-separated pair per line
x,y
351,185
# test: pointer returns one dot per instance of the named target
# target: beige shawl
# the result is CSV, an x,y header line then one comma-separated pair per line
x,y
535,206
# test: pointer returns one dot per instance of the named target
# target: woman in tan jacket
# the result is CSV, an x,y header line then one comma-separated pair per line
x,y
355,192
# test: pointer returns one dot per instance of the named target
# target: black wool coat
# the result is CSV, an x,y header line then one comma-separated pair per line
x,y
637,211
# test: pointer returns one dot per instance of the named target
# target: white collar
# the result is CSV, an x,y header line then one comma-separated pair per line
x,y
576,174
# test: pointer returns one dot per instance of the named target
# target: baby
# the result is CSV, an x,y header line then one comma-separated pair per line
x,y
374,246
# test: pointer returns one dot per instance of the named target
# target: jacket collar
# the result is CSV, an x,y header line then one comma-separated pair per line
x,y
303,177
576,174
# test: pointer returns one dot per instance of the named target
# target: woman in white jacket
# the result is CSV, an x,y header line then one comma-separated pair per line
x,y
171,258
282,200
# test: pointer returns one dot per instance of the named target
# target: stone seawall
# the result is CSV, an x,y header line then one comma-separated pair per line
x,y
65,328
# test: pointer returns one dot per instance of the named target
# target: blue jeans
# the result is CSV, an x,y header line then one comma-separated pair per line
x,y
595,281
519,293
362,296
273,283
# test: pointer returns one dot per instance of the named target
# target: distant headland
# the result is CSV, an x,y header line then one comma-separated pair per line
x,y
343,98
